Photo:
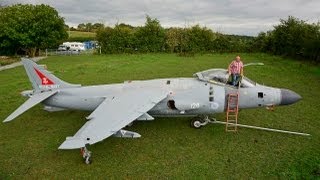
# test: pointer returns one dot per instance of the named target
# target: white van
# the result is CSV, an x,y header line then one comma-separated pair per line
x,y
73,46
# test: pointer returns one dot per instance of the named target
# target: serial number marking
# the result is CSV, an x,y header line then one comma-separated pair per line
x,y
49,86
195,105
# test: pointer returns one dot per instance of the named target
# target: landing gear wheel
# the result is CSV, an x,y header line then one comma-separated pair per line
x,y
196,123
200,121
86,155
87,160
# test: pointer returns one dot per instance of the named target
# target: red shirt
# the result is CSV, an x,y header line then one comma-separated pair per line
x,y
235,67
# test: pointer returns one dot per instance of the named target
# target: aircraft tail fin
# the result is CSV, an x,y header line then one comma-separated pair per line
x,y
42,79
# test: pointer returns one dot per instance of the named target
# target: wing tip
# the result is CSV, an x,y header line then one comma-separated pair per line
x,y
72,143
7,120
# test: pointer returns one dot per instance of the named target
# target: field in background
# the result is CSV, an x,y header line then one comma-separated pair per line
x,y
81,36
168,146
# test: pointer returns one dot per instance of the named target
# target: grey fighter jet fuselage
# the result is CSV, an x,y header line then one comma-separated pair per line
x,y
186,96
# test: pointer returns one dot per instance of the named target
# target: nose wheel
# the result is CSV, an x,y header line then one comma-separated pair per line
x,y
86,155
198,122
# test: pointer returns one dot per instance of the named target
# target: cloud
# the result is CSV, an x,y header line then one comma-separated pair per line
x,y
243,17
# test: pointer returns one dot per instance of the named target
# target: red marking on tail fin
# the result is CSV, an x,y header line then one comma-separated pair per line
x,y
44,80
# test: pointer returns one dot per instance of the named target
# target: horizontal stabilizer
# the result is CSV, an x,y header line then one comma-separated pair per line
x,y
126,134
27,93
72,143
32,101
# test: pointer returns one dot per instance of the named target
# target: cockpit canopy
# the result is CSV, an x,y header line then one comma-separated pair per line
x,y
220,76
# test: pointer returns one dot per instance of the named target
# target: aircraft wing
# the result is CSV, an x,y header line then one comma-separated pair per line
x,y
32,101
113,114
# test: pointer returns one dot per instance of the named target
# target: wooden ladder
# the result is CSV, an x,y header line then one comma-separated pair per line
x,y
232,112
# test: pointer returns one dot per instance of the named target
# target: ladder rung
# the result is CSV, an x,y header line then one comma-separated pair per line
x,y
231,122
229,114
233,98
232,113
232,116
233,110
233,103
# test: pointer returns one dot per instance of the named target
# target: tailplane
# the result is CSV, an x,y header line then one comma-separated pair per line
x,y
42,79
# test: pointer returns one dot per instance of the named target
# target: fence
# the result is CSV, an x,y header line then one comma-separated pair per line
x,y
56,52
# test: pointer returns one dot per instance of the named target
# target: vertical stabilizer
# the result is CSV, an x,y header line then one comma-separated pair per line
x,y
42,79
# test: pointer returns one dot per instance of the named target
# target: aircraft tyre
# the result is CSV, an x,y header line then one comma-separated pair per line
x,y
196,123
87,160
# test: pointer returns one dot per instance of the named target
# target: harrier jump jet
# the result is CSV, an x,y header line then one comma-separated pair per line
x,y
114,106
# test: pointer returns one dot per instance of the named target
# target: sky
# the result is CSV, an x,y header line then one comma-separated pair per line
x,y
241,17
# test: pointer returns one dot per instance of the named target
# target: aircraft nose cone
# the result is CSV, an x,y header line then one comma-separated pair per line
x,y
289,97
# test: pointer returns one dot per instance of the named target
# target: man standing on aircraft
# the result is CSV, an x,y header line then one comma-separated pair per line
x,y
235,69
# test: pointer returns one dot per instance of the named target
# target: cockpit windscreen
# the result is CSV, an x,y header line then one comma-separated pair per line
x,y
221,76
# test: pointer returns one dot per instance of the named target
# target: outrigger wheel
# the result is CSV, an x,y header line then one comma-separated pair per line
x,y
86,155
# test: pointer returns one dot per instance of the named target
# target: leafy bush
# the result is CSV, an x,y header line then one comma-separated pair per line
x,y
292,37
153,38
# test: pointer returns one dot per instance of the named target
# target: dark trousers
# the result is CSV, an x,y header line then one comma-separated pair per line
x,y
235,78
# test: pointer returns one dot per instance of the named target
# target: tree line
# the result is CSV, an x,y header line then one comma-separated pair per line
x,y
27,28
152,37
292,37
85,27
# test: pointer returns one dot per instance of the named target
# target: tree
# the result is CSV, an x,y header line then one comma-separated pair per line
x,y
151,37
126,25
30,27
116,40
222,44
88,27
81,27
173,38
97,26
73,29
200,38
292,37
66,27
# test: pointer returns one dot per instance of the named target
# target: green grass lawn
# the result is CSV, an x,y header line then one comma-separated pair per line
x,y
168,148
